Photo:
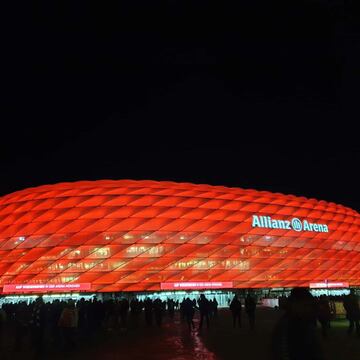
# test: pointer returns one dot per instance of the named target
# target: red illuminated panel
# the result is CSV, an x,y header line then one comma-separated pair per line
x,y
318,285
43,288
323,285
196,285
125,235
338,285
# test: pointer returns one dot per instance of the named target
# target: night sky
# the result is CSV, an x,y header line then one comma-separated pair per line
x,y
260,95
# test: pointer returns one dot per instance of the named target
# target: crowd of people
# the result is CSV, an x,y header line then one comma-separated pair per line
x,y
250,306
64,323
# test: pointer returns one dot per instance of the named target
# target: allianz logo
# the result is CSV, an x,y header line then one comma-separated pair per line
x,y
293,224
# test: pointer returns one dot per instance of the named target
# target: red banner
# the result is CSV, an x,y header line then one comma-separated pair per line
x,y
43,288
325,285
190,285
338,285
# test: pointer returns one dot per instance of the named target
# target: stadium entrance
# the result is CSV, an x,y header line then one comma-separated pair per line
x,y
223,298
46,297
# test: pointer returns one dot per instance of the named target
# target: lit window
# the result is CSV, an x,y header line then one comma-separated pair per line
x,y
104,251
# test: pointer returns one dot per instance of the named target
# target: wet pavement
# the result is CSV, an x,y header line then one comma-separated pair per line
x,y
174,341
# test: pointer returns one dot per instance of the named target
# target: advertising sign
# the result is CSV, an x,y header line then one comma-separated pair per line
x,y
328,284
43,288
290,224
195,285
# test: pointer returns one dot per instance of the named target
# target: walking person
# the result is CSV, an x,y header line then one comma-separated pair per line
x,y
37,326
235,307
351,306
148,306
295,336
189,311
204,308
215,305
158,311
68,323
21,325
171,308
250,307
82,319
324,314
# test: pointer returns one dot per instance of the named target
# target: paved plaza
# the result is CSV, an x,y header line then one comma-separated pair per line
x,y
174,341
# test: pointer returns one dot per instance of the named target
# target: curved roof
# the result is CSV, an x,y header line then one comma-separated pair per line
x,y
127,235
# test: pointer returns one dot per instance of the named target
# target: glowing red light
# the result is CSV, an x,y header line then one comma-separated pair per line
x,y
324,285
43,288
130,235
188,285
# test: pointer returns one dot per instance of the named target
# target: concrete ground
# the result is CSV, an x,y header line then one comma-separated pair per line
x,y
174,341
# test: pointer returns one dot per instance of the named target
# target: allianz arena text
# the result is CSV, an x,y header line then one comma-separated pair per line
x,y
130,236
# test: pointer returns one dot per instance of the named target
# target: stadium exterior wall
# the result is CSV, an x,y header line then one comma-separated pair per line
x,y
126,235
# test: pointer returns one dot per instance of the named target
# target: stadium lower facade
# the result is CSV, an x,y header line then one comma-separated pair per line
x,y
114,236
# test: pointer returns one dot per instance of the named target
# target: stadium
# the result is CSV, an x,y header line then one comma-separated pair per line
x,y
143,237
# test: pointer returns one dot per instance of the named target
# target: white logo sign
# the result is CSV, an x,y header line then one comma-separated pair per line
x,y
296,224
293,224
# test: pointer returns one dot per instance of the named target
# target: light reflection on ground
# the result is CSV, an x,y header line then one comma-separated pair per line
x,y
187,344
174,341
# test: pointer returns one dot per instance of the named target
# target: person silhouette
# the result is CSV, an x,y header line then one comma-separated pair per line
x,y
324,314
189,311
204,308
351,306
295,336
250,307
235,307
37,325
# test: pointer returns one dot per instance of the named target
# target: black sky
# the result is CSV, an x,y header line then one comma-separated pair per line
x,y
259,95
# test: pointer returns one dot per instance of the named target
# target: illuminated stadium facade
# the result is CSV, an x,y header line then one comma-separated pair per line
x,y
136,236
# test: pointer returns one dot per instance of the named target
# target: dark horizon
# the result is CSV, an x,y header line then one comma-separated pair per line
x,y
211,174
250,95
